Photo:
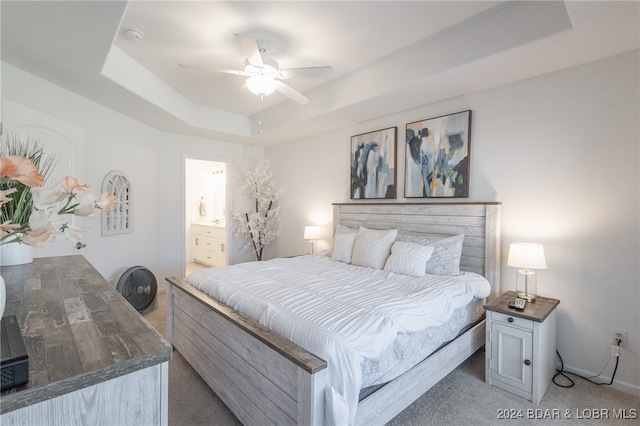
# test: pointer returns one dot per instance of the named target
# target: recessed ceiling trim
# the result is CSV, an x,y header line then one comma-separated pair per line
x,y
496,30
124,71
405,71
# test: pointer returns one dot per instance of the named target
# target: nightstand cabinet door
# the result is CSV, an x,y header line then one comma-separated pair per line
x,y
512,352
520,353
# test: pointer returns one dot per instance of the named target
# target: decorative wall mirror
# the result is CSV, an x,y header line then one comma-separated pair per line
x,y
119,220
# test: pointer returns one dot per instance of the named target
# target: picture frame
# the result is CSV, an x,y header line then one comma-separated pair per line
x,y
437,152
373,164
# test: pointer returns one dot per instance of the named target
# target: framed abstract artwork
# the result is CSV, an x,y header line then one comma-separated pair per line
x,y
437,157
373,164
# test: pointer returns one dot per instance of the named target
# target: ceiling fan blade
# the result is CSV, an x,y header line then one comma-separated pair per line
x,y
214,69
311,72
236,92
250,49
292,93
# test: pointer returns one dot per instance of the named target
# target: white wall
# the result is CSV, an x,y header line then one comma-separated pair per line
x,y
153,161
561,152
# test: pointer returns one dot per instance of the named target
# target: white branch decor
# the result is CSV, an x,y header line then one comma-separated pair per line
x,y
261,225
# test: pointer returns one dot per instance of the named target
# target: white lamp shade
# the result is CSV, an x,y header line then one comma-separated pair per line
x,y
311,232
261,85
527,255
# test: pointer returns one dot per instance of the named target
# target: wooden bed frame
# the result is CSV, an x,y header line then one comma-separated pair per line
x,y
266,379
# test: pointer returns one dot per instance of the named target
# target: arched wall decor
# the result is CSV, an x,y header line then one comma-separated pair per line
x,y
119,220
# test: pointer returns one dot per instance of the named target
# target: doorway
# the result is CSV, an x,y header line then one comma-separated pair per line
x,y
206,214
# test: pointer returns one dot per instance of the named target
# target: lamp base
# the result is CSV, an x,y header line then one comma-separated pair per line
x,y
526,296
527,284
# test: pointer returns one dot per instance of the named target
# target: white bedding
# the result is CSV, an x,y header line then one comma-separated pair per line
x,y
409,349
342,313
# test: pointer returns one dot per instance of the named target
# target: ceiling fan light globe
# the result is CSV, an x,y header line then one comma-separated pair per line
x,y
261,85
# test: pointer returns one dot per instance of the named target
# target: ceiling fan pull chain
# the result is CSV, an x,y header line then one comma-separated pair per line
x,y
261,102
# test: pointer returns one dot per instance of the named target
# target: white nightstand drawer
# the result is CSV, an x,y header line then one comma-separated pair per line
x,y
512,320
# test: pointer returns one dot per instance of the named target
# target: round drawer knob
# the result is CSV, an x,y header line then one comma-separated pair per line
x,y
527,362
510,319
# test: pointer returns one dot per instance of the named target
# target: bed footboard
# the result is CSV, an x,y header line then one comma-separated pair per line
x,y
387,402
262,377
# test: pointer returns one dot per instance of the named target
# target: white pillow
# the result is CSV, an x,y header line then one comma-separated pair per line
x,y
445,259
372,247
343,247
341,229
408,258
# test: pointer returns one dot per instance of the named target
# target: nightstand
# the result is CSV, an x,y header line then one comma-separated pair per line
x,y
520,346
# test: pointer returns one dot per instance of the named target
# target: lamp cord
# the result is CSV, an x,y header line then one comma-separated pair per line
x,y
563,373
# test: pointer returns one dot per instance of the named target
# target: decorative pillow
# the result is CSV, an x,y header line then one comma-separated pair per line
x,y
341,229
372,247
343,247
408,258
445,259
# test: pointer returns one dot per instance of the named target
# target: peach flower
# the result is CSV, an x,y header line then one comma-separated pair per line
x,y
21,169
44,197
40,237
8,227
71,185
107,202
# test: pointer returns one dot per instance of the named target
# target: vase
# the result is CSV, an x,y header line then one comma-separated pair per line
x,y
15,254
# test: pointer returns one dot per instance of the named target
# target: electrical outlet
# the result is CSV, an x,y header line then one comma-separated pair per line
x,y
618,333
615,350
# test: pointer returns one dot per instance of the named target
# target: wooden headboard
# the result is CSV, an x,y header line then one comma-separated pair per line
x,y
479,222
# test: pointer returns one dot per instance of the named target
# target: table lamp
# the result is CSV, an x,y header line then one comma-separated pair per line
x,y
311,233
526,256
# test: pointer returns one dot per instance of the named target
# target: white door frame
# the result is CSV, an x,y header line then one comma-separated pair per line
x,y
215,159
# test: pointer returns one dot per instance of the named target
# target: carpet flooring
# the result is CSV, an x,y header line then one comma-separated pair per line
x,y
461,398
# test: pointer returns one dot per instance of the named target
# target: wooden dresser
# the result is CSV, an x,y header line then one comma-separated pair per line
x,y
93,359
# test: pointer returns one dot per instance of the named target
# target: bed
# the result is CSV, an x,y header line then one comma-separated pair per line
x,y
266,379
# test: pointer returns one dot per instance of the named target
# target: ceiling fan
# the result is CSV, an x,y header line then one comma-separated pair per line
x,y
263,73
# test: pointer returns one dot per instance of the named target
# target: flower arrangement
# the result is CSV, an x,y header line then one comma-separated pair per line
x,y
31,214
261,225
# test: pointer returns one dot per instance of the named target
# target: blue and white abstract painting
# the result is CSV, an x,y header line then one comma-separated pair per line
x,y
373,164
437,157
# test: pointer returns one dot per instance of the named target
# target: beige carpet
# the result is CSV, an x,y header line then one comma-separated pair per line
x,y
191,400
461,398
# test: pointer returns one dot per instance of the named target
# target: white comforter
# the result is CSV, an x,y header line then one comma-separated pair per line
x,y
342,313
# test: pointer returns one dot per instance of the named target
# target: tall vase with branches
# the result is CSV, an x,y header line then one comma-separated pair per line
x,y
31,215
261,226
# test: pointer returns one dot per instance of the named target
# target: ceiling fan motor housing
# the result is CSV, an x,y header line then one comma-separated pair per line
x,y
270,68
